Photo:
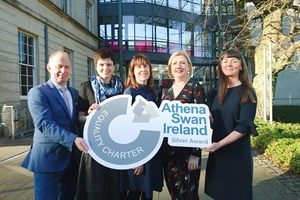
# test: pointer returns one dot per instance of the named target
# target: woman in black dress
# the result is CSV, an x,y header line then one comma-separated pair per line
x,y
182,165
96,181
139,183
229,170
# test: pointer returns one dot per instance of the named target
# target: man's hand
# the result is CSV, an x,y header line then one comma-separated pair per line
x,y
81,145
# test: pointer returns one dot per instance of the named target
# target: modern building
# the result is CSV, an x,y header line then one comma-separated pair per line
x,y
30,30
158,28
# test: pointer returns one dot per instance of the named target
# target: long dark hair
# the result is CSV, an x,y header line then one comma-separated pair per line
x,y
247,91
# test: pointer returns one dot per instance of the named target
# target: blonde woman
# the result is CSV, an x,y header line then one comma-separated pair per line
x,y
182,165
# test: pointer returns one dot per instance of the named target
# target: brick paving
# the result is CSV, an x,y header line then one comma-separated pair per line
x,y
17,183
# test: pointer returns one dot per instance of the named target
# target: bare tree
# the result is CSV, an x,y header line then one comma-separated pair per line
x,y
274,22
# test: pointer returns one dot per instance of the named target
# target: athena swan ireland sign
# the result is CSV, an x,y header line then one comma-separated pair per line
x,y
124,136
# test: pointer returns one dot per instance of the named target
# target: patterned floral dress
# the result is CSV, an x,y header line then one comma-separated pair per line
x,y
182,183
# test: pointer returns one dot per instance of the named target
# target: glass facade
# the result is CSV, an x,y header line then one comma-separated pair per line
x,y
158,28
150,34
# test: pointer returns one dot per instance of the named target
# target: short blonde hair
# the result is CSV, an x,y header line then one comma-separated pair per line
x,y
65,54
180,53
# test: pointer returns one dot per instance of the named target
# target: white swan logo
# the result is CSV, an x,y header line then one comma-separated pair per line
x,y
124,136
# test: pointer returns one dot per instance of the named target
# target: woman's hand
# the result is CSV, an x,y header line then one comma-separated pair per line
x,y
213,147
82,116
81,145
232,137
139,170
93,107
193,163
211,119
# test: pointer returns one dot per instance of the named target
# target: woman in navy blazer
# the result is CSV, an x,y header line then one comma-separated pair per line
x,y
52,157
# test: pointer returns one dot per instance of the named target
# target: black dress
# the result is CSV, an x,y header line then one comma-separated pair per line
x,y
152,178
95,181
182,183
229,170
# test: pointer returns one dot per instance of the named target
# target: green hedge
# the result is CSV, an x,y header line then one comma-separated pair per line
x,y
286,114
280,143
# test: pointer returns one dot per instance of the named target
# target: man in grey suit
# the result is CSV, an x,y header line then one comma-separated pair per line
x,y
52,157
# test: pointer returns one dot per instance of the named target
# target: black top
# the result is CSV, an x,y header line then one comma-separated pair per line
x,y
143,91
95,181
86,96
152,178
229,170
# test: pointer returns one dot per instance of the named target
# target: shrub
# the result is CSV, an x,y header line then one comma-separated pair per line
x,y
286,114
280,142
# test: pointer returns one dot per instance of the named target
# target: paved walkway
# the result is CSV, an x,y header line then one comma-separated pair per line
x,y
16,183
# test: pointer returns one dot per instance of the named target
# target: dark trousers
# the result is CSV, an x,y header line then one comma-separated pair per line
x,y
57,185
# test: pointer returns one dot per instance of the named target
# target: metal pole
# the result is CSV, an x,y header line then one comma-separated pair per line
x,y
271,93
120,20
46,49
265,86
220,27
12,122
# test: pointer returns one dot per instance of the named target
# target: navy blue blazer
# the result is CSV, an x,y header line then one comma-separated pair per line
x,y
55,131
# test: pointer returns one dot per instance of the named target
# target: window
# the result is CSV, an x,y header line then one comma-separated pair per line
x,y
161,2
71,80
143,34
186,38
197,7
65,6
197,41
209,8
88,17
186,5
228,7
90,68
175,36
26,62
174,4
68,52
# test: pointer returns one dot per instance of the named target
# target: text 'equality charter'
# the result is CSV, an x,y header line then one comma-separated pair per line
x,y
124,136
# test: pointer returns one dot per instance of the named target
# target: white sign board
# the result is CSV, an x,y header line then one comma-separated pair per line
x,y
124,136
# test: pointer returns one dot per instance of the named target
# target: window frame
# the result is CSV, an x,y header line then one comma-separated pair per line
x,y
90,68
71,55
88,14
66,6
27,78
